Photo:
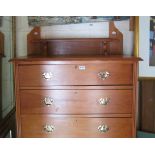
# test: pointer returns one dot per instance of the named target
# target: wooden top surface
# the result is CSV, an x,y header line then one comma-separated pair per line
x,y
78,58
73,39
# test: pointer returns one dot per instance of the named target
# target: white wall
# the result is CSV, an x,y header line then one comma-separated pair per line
x,y
95,30
144,45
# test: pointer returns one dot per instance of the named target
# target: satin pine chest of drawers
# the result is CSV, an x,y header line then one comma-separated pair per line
x,y
76,96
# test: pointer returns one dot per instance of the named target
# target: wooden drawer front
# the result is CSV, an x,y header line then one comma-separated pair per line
x,y
46,126
90,74
76,101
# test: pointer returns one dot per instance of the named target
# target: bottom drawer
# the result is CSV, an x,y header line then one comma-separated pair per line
x,y
71,127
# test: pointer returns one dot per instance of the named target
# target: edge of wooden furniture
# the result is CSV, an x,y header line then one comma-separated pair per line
x,y
64,60
97,58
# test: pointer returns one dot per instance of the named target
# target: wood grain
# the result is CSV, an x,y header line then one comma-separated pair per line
x,y
1,44
69,59
147,106
76,101
75,111
114,33
33,126
31,75
75,46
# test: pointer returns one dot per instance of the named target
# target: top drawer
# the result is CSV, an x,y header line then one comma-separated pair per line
x,y
81,74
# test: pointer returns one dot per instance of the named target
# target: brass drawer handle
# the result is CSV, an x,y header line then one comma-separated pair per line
x,y
103,75
47,75
104,101
48,101
103,128
49,128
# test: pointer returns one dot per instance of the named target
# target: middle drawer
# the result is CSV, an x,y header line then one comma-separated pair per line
x,y
76,101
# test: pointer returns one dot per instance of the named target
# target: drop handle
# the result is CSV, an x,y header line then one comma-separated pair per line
x,y
49,128
104,101
47,75
48,101
103,128
103,75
